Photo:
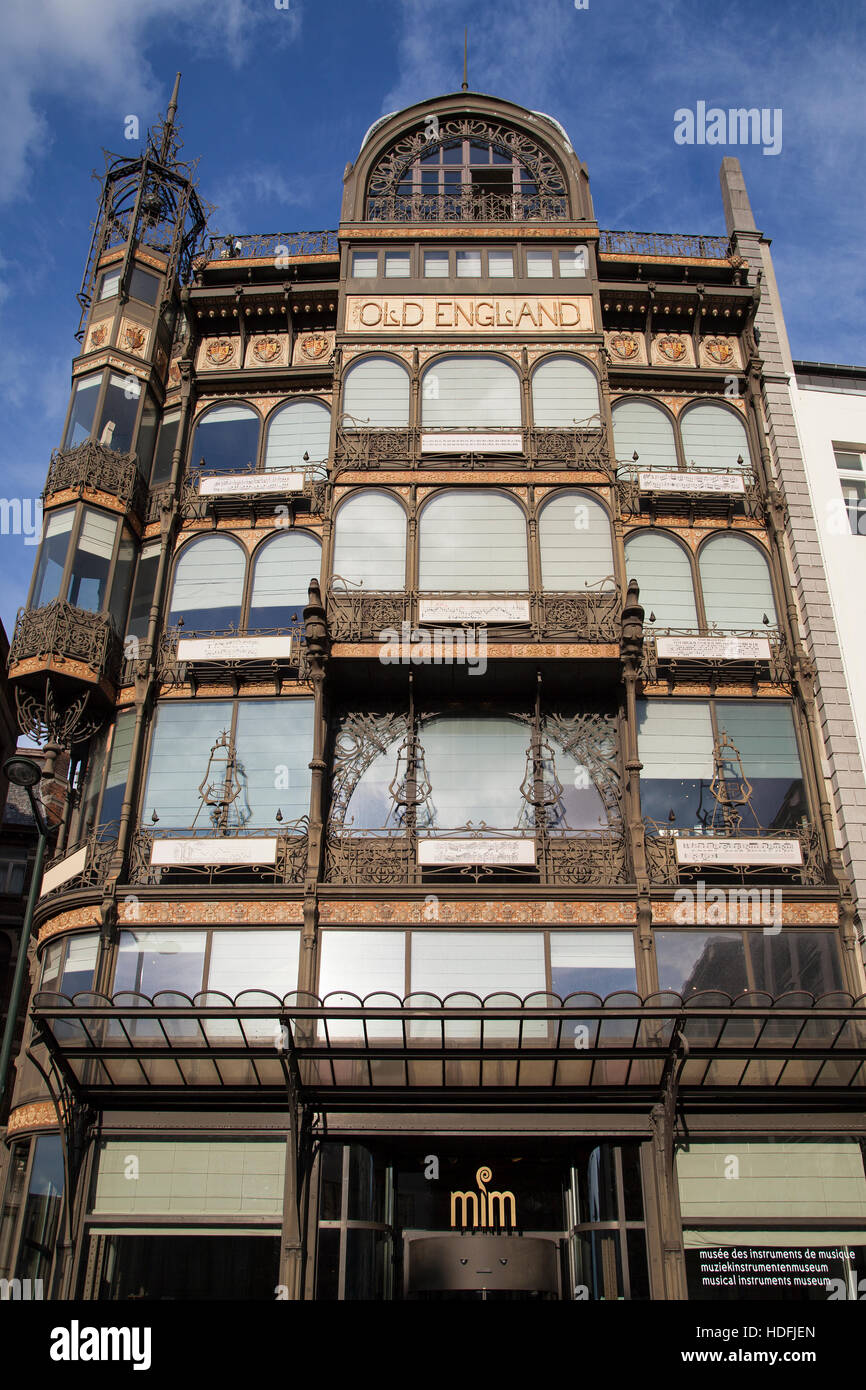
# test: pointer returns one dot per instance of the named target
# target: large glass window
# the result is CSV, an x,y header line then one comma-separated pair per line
x,y
273,743
282,570
661,567
597,962
564,392
475,766
675,746
116,427
575,539
296,429
91,562
643,429
84,401
470,391
147,435
166,444
118,767
68,964
143,285
370,541
143,590
736,585
376,393
226,439
208,585
482,963
714,438
151,961
41,1218
52,556
472,540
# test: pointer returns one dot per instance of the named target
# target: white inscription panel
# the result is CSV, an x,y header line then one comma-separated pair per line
x,y
237,484
67,868
691,482
471,444
234,648
226,850
708,851
726,648
435,851
473,610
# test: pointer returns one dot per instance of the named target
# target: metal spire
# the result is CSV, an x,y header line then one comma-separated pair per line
x,y
465,59
168,125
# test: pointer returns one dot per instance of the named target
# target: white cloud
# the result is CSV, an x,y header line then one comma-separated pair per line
x,y
92,52
256,191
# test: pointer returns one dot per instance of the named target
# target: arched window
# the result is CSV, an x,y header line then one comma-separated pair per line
x,y
574,534
301,427
282,570
642,429
564,390
376,394
370,541
735,579
472,540
470,391
226,439
714,437
661,567
208,585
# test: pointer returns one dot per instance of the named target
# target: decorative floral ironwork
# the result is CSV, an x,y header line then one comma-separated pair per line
x,y
661,856
547,177
60,630
50,718
94,468
583,447
593,616
664,244
100,847
777,667
235,670
358,615
590,858
289,865
633,498
470,205
267,245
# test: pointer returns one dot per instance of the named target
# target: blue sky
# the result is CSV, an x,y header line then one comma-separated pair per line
x,y
298,87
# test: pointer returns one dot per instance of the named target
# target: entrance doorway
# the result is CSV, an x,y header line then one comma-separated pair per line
x,y
485,1267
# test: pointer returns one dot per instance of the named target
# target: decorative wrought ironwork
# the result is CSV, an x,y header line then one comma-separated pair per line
x,y
151,201
633,499
661,856
664,244
359,739
272,245
357,615
385,202
470,205
196,505
224,788
583,448
100,847
234,670
60,630
93,467
590,739
777,668
53,719
289,865
590,858
594,616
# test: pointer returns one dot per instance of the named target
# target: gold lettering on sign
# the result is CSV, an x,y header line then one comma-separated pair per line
x,y
429,313
488,1208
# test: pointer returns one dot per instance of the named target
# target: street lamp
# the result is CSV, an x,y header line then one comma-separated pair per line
x,y
27,773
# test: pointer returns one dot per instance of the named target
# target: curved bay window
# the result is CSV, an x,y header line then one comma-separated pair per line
x,y
114,410
564,392
469,171
690,774
470,392
85,559
732,590
216,589
187,789
472,540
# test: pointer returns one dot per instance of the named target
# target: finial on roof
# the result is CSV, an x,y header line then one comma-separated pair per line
x,y
465,59
168,125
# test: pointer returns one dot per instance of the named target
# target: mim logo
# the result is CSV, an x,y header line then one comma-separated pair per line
x,y
76,1343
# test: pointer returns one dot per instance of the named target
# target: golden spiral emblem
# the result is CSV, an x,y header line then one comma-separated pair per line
x,y
483,1176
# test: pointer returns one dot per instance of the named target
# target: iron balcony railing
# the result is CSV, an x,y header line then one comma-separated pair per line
x,y
59,631
92,467
664,244
582,447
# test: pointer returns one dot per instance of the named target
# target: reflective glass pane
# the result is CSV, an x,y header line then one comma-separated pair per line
x,y
470,392
226,440
52,556
150,961
283,568
142,593
714,438
591,961
161,471
83,409
575,538
642,429
119,412
370,541
183,735
564,392
661,567
475,766
735,579
88,581
208,585
689,961
472,541
376,392
302,427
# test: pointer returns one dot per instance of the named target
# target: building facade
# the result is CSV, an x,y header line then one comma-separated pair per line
x,y
448,900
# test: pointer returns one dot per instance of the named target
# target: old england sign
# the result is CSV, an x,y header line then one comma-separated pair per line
x,y
443,314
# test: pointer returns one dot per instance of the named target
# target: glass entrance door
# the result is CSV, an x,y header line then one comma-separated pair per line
x,y
487,1267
